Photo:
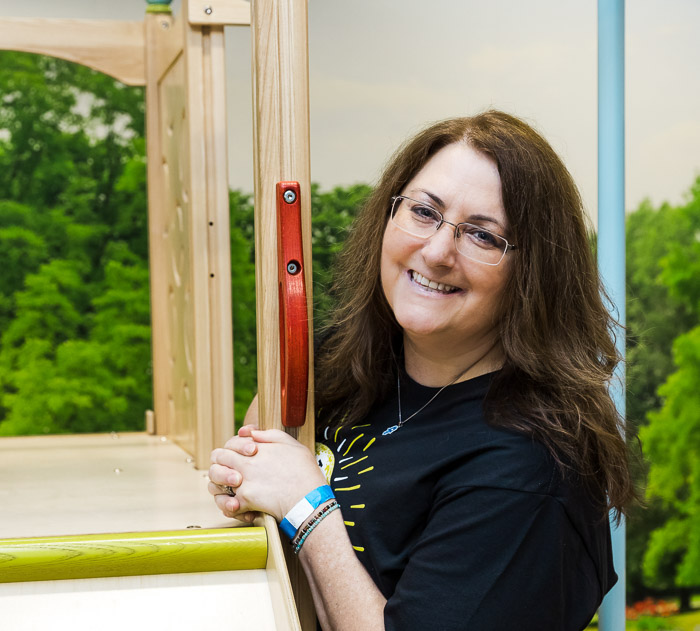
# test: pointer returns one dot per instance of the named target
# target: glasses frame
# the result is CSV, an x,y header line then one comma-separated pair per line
x,y
508,247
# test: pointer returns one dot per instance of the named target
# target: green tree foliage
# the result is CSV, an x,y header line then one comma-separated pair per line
x,y
74,302
331,216
656,316
672,437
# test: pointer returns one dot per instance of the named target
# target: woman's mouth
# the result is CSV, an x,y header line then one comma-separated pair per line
x,y
431,284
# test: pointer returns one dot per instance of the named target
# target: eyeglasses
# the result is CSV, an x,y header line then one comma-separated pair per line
x,y
422,220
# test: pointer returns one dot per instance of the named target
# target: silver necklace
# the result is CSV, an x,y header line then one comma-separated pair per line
x,y
393,428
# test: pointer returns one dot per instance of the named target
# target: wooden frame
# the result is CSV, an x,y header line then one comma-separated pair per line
x,y
181,63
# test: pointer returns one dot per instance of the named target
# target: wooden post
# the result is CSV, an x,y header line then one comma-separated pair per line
x,y
156,25
281,153
189,232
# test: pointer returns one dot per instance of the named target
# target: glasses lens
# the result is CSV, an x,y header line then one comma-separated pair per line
x,y
415,218
422,220
479,244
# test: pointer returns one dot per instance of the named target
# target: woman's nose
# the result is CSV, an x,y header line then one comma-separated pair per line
x,y
440,248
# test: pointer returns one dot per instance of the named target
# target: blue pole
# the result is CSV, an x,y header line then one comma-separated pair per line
x,y
611,235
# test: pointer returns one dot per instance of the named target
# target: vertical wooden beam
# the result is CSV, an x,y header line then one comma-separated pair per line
x,y
209,237
281,153
161,352
189,232
219,235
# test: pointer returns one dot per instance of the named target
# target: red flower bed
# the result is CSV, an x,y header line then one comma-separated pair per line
x,y
651,607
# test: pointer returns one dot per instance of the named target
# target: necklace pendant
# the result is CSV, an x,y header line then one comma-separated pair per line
x,y
390,430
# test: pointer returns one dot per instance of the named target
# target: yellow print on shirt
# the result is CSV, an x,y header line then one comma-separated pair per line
x,y
350,454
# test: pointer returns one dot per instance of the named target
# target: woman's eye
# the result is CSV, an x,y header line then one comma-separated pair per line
x,y
424,213
482,237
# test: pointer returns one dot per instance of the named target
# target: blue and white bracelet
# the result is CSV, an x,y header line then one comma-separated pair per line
x,y
304,508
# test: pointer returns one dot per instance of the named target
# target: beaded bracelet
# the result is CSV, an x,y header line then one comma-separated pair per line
x,y
315,521
317,517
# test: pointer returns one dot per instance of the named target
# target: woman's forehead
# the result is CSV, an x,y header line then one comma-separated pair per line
x,y
462,180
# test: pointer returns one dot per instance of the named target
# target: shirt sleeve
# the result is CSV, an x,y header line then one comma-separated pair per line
x,y
492,560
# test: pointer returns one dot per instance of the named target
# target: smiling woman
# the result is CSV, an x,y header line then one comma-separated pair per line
x,y
465,426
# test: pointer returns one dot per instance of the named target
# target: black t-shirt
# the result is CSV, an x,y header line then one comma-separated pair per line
x,y
462,525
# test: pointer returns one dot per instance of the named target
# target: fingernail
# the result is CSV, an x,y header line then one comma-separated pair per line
x,y
250,449
231,505
234,479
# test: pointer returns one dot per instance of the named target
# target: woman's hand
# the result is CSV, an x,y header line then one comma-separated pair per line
x,y
222,477
270,471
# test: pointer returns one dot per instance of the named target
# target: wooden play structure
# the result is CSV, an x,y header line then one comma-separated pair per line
x,y
119,531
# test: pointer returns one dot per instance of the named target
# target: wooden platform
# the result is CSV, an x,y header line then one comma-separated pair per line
x,y
100,483
91,484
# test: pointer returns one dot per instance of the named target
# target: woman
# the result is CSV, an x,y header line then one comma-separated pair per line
x,y
464,421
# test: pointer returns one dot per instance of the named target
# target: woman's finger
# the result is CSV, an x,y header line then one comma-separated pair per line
x,y
225,473
246,430
224,476
229,506
242,445
248,517
272,436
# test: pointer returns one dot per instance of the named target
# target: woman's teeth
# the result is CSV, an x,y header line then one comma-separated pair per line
x,y
431,284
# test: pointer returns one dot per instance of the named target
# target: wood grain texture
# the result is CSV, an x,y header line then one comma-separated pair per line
x,y
176,244
281,153
101,483
169,43
110,46
132,554
156,28
219,12
174,602
194,239
218,238
281,593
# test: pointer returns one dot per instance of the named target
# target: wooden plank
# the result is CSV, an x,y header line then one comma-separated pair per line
x,y
218,236
183,389
113,47
156,25
195,179
281,593
237,600
219,12
170,41
281,153
101,483
132,554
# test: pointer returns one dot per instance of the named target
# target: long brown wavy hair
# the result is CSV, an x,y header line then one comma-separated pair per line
x,y
557,335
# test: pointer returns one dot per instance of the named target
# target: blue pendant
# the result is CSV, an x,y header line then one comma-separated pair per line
x,y
390,430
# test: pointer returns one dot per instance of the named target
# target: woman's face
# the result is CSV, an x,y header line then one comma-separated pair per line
x,y
464,186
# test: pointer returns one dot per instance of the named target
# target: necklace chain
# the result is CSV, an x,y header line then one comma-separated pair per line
x,y
393,428
402,422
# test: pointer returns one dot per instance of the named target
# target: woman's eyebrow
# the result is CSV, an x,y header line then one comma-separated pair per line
x,y
433,196
486,218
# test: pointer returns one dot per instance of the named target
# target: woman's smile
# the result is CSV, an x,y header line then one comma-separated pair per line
x,y
431,286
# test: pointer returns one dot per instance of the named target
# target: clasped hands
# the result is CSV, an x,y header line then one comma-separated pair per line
x,y
268,469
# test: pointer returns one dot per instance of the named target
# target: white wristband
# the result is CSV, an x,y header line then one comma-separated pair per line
x,y
303,509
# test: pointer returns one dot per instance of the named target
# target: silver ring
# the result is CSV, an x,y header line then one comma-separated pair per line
x,y
228,490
